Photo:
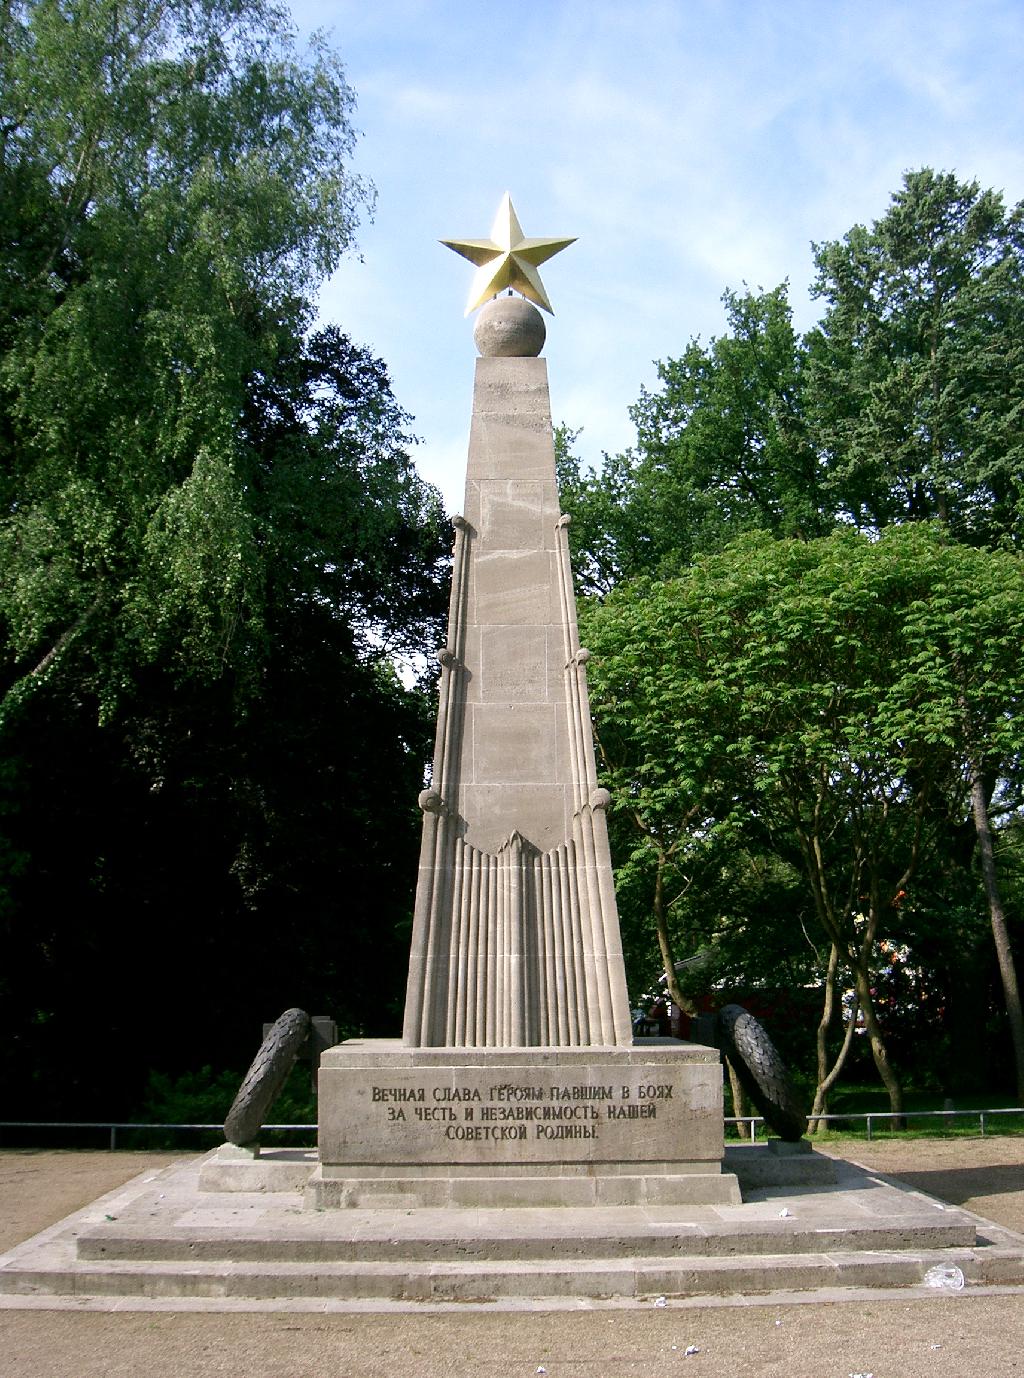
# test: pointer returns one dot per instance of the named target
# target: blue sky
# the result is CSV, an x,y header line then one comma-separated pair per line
x,y
692,146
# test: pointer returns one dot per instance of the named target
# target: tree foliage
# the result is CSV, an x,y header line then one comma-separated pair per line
x,y
902,407
916,372
818,701
905,403
213,548
172,180
722,448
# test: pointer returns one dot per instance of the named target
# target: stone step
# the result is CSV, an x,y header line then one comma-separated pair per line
x,y
485,1281
161,1240
479,1239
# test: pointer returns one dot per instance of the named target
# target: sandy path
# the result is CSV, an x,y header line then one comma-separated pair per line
x,y
39,1187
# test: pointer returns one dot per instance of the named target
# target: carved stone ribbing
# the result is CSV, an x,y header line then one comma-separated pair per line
x,y
516,937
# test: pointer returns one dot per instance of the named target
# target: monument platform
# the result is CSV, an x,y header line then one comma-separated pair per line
x,y
161,1241
518,1127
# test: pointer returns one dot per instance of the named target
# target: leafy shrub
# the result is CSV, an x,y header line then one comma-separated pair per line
x,y
204,1097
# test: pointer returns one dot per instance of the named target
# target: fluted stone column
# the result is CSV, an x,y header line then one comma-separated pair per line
x,y
516,937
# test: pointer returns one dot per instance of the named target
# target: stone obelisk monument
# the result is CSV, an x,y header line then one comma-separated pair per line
x,y
517,1080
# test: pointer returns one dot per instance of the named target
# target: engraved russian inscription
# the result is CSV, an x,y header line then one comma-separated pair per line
x,y
496,1112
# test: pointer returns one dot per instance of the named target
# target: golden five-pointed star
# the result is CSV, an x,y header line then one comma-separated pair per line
x,y
507,259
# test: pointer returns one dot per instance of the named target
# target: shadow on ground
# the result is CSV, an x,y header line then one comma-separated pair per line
x,y
958,1185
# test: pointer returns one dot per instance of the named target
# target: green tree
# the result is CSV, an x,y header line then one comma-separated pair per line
x,y
903,406
257,826
961,691
173,184
801,695
722,447
916,373
213,547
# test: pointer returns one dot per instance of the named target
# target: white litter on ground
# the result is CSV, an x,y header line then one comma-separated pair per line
x,y
948,1278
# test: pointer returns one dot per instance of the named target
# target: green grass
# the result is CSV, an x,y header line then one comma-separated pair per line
x,y
858,1101
864,1099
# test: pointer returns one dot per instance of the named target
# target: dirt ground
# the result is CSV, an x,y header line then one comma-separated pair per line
x,y
965,1335
38,1188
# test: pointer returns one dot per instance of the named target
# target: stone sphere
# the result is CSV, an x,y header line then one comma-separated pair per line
x,y
509,327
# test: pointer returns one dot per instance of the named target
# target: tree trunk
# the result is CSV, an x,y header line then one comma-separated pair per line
x,y
828,1013
740,1105
1000,935
23,687
890,1080
827,1077
820,1107
665,942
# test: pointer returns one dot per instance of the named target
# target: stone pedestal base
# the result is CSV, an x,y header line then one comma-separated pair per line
x,y
279,1169
779,1164
478,1127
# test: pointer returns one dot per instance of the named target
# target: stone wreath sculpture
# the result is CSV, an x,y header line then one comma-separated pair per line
x,y
744,1040
265,1079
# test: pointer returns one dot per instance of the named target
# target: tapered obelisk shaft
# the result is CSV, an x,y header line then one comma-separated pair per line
x,y
516,935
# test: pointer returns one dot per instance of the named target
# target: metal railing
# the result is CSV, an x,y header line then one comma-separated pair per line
x,y
113,1128
873,1116
756,1122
